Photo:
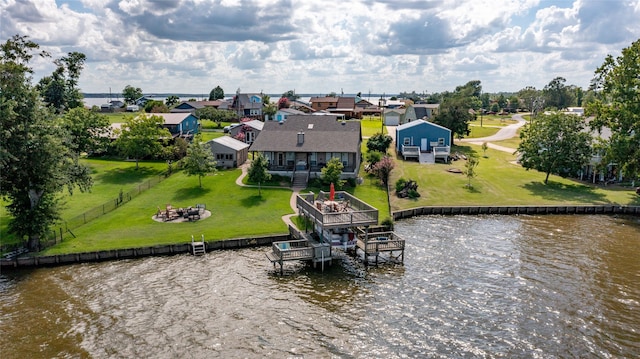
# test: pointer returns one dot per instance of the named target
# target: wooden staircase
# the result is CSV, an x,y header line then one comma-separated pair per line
x,y
299,180
198,248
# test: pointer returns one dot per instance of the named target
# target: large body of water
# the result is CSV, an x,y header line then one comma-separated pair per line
x,y
471,286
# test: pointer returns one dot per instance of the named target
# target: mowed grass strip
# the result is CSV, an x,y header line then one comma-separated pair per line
x,y
235,212
499,181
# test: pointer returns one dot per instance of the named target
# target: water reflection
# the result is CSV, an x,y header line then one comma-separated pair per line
x,y
471,286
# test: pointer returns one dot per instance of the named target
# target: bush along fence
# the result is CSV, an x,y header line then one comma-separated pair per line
x,y
65,228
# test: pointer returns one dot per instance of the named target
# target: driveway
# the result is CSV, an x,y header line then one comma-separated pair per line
x,y
504,133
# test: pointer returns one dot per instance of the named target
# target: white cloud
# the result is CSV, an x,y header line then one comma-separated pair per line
x,y
323,46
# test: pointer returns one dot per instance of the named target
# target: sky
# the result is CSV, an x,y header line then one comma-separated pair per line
x,y
323,46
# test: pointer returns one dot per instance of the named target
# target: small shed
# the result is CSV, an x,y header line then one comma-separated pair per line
x,y
229,152
422,134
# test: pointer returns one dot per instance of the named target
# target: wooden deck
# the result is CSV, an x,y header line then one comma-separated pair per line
x,y
343,212
376,244
410,152
306,249
442,153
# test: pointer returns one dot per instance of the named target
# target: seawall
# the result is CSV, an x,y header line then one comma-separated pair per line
x,y
128,253
511,210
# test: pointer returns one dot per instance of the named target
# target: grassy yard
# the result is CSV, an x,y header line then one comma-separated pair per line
x,y
210,135
236,212
499,181
479,132
494,120
371,125
512,142
240,212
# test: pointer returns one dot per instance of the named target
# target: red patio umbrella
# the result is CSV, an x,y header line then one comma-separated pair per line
x,y
332,192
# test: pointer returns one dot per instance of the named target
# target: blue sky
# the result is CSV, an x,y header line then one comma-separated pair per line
x,y
323,46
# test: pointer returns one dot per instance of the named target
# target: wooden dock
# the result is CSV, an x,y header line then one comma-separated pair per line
x,y
381,246
302,248
341,213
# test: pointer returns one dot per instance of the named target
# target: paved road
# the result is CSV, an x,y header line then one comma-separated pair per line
x,y
504,133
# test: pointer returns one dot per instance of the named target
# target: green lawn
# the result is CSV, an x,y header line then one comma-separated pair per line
x,y
240,212
479,132
236,212
210,135
494,120
120,117
499,181
512,142
371,125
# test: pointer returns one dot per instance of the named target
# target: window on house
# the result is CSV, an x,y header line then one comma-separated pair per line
x,y
441,141
406,141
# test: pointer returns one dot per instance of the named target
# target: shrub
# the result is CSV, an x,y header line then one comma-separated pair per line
x,y
400,183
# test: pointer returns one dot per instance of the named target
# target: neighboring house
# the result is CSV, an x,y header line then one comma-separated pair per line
x,y
192,106
283,113
247,132
579,111
301,106
302,145
364,107
596,170
228,152
183,125
421,136
336,105
419,111
142,101
248,105
345,106
392,116
323,103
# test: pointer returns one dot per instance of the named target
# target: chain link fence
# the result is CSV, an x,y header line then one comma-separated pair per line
x,y
65,228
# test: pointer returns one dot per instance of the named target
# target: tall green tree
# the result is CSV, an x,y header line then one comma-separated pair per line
x,y
60,90
269,110
617,87
88,129
216,94
199,160
142,136
171,100
332,172
379,142
557,95
555,143
130,94
258,172
529,97
454,111
36,162
291,95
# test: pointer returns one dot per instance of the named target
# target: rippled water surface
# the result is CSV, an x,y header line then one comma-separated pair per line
x,y
471,286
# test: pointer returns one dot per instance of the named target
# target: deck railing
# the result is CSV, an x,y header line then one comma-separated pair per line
x,y
381,242
359,213
290,250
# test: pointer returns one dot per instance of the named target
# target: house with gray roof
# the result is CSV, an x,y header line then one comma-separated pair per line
x,y
247,105
424,111
302,145
247,132
228,152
